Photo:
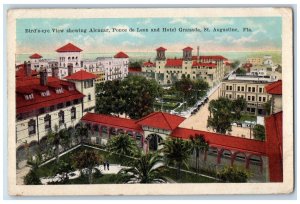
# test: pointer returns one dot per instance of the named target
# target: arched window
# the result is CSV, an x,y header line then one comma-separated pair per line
x,y
61,117
31,127
73,113
47,121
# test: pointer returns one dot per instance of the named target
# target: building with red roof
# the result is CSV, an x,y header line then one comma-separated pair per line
x,y
81,76
69,48
121,55
35,56
167,70
42,104
261,158
275,90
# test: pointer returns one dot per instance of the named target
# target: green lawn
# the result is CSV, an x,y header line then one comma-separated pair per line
x,y
247,117
50,170
187,177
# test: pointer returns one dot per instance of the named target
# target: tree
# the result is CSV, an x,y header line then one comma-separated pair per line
x,y
65,138
235,64
32,178
147,168
190,90
122,144
134,96
240,71
267,107
81,132
259,132
53,142
177,152
221,115
233,174
87,159
238,106
199,145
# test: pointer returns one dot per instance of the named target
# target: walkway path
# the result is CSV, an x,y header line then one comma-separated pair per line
x,y
113,169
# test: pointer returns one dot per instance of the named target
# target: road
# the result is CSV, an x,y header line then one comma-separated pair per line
x,y
198,121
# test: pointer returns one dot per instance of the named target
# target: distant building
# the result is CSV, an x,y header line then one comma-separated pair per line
x,y
255,60
167,71
253,91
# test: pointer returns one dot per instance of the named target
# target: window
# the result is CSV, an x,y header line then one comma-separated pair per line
x,y
259,98
260,90
249,98
230,88
42,110
68,103
253,98
243,88
59,90
249,89
264,99
238,88
52,108
28,96
73,113
45,93
253,89
61,118
47,121
60,105
88,83
89,97
31,127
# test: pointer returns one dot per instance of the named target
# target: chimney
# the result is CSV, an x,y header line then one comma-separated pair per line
x,y
70,69
43,77
55,72
198,53
27,68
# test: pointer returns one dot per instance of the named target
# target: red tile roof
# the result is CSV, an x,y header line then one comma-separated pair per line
x,y
187,49
149,64
69,48
274,146
174,63
224,141
21,72
196,64
215,57
161,49
134,69
32,85
247,65
81,75
161,120
121,55
112,121
274,88
35,56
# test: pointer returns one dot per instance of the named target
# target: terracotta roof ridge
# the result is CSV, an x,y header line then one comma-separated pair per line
x,y
166,120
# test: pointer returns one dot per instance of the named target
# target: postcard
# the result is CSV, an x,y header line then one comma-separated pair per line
x,y
150,101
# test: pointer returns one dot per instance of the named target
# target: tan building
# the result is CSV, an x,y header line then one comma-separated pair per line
x,y
167,71
252,91
255,60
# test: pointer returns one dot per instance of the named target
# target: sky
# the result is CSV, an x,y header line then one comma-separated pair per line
x,y
265,35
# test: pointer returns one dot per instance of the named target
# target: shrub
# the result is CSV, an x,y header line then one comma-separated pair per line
x,y
233,174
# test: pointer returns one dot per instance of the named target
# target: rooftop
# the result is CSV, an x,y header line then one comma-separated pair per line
x,y
121,55
81,75
274,88
35,56
69,48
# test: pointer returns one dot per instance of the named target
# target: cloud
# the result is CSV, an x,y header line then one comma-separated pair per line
x,y
145,22
182,21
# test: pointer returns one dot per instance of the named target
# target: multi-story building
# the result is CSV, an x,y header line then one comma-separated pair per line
x,y
255,60
114,67
42,104
275,90
253,91
167,71
85,84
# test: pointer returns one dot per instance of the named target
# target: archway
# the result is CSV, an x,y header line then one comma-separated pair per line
x,y
154,141
238,158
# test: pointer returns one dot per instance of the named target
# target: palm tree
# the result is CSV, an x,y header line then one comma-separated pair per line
x,y
81,132
177,152
65,138
147,168
87,159
53,140
122,144
199,145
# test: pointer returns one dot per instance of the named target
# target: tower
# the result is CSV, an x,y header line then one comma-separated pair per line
x,y
160,53
187,54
